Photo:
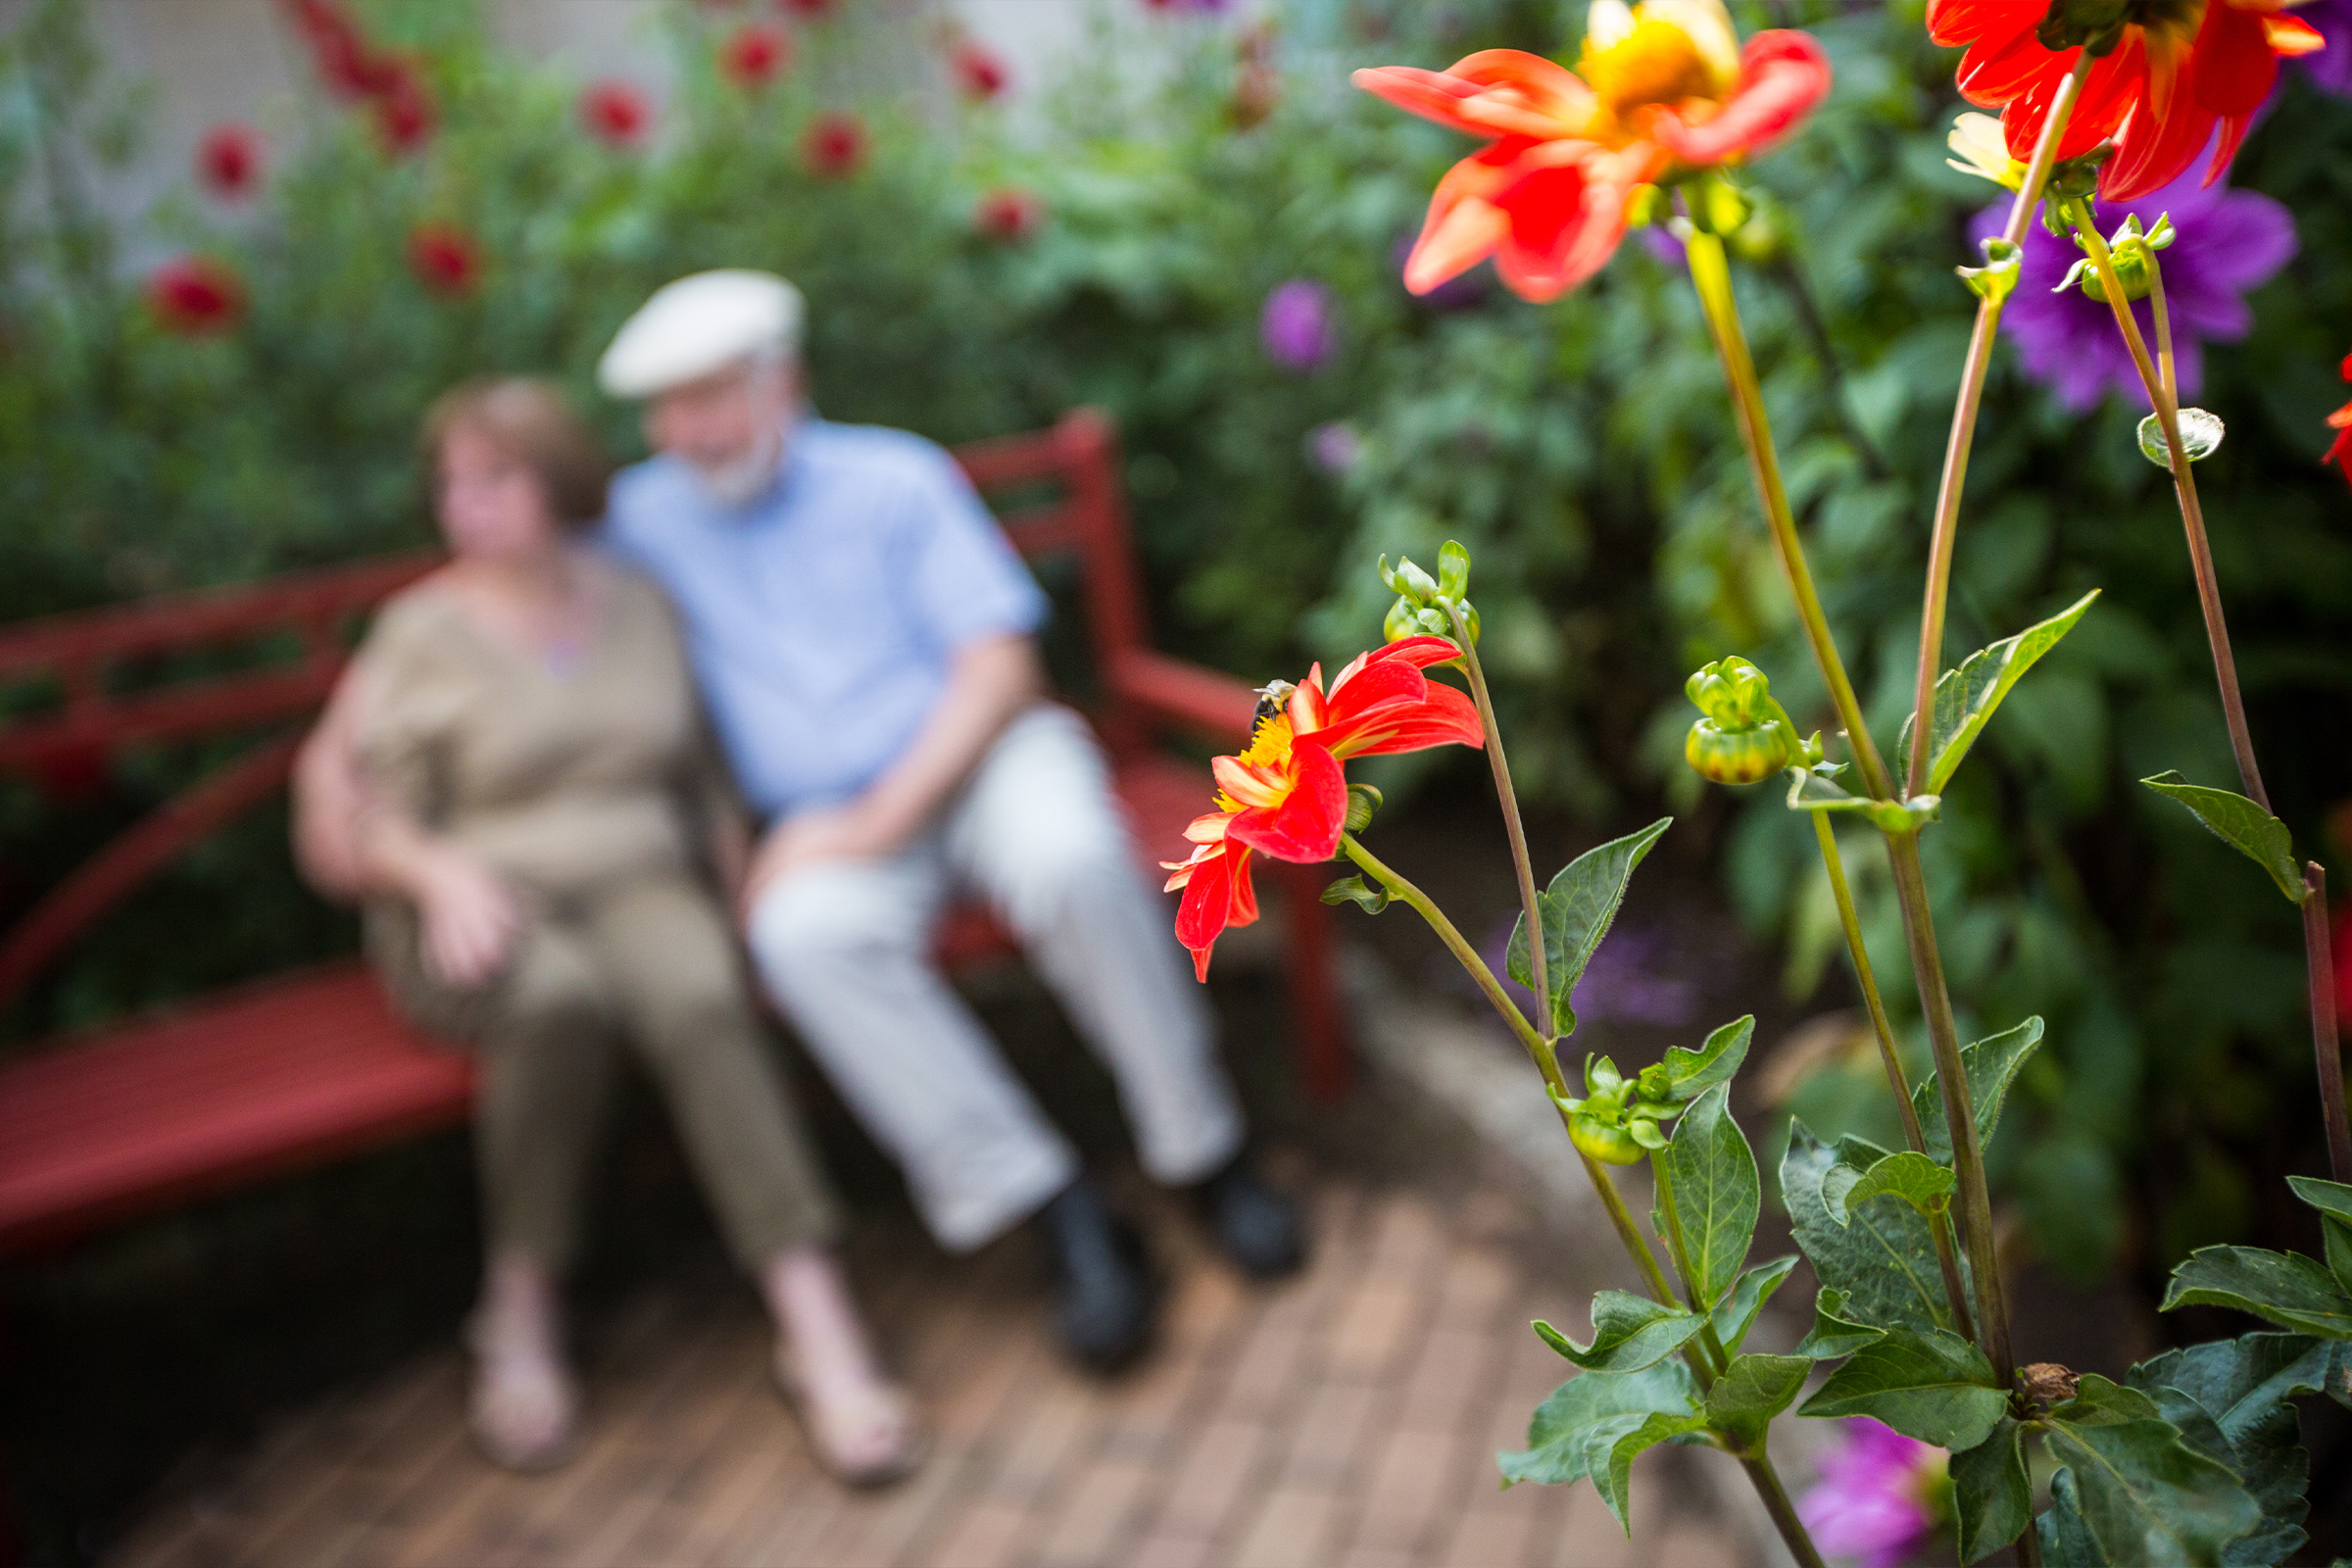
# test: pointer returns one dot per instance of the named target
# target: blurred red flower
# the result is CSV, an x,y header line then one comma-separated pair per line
x,y
196,296
1008,214
347,64
228,160
2340,452
404,111
808,10
445,259
1257,91
834,146
615,113
2170,74
752,55
979,71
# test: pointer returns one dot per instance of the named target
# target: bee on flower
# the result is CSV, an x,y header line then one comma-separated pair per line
x,y
1659,91
1286,794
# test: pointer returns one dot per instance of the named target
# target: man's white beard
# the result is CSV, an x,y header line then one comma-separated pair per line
x,y
734,485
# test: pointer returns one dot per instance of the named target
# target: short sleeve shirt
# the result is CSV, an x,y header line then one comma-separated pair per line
x,y
823,617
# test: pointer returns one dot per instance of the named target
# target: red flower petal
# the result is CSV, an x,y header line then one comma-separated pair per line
x,y
1782,75
1305,824
1496,92
1419,652
1448,718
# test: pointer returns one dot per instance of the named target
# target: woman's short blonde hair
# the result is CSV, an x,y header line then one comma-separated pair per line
x,y
532,421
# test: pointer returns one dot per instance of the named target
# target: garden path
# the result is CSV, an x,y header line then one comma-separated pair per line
x,y
1350,1416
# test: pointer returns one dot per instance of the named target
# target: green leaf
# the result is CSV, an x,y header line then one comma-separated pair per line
x,y
1556,1455
2200,437
1753,1390
2242,826
1711,1174
1629,1333
1965,698
1883,1258
1991,1065
1355,889
1686,1075
1737,1313
1815,789
1909,1175
1576,910
1612,1447
1832,1337
2290,1289
2333,1201
1992,1491
1935,1386
2245,1385
2065,1539
2143,1495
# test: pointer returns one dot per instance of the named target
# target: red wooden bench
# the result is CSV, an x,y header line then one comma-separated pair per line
x,y
226,1089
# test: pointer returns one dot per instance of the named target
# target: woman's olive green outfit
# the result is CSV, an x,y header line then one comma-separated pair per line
x,y
588,789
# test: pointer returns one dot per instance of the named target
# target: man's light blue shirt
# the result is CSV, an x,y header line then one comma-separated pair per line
x,y
823,617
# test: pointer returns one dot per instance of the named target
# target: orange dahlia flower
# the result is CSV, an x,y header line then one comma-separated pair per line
x,y
2172,70
1660,88
1285,795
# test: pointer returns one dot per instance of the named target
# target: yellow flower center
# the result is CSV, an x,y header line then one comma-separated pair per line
x,y
1663,52
1268,753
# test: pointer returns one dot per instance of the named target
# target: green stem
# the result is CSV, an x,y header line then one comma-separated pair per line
x,y
1538,1050
1530,910
2184,487
1943,535
1946,1256
1974,1211
1464,954
1767,1481
1711,274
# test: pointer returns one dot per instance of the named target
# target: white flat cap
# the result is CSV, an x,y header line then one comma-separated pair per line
x,y
697,325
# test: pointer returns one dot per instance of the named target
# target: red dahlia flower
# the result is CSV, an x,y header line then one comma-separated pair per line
x,y
196,296
404,111
752,55
1657,89
228,160
2340,452
445,259
1008,214
1285,795
2172,69
834,145
615,113
979,71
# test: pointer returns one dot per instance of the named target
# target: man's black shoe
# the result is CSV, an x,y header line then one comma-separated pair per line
x,y
1108,1294
1258,1228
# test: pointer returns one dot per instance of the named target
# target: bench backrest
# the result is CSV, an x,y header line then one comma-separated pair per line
x,y
79,675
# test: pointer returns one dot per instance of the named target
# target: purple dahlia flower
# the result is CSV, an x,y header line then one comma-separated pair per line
x,y
1295,327
2231,241
1335,447
1878,1498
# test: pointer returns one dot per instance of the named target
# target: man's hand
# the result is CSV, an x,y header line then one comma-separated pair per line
x,y
853,832
468,914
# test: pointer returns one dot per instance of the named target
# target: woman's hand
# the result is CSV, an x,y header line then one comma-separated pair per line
x,y
468,914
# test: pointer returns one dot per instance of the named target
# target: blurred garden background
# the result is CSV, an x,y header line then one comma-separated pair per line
x,y
1180,212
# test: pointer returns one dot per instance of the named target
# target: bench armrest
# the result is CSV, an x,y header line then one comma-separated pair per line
x,y
1185,695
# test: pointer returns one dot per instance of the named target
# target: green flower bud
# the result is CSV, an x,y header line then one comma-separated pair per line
x,y
1744,737
1731,692
1611,1145
1362,801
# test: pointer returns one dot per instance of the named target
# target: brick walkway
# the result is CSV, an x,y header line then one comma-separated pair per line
x,y
1348,1417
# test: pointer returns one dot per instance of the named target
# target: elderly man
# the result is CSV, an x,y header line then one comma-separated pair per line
x,y
863,633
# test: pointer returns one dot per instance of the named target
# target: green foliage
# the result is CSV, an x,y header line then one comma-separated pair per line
x,y
1991,1065
1965,698
2285,1288
1926,1384
1880,1261
1737,1312
2140,1492
2333,1201
1558,1452
1992,1491
1906,1174
1629,1334
1751,1390
1709,1196
2242,826
1684,1075
1577,909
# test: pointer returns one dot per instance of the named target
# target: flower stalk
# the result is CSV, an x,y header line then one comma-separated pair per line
x,y
1946,1256
1943,535
1524,868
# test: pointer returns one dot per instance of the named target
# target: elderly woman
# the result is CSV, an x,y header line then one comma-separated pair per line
x,y
536,822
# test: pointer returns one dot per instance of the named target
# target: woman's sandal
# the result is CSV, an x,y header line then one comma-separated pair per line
x,y
825,1434
524,1410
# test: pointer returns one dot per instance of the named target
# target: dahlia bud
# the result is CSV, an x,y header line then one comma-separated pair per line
x,y
1744,737
1423,604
